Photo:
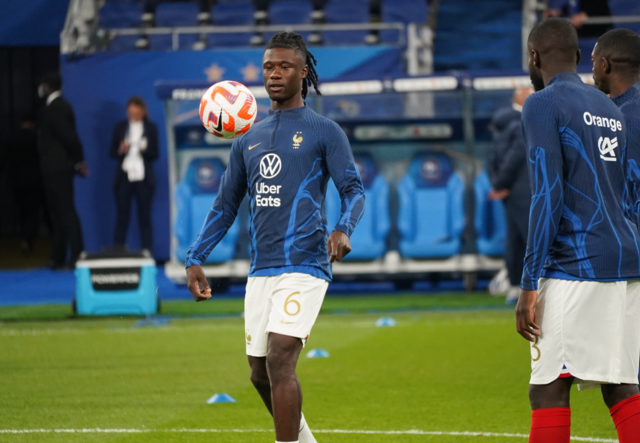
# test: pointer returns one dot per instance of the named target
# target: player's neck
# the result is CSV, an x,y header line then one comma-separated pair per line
x,y
294,102
622,85
550,73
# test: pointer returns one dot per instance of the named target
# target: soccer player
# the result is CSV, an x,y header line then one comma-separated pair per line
x,y
616,71
580,302
283,164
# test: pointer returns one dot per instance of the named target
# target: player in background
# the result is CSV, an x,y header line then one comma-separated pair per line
x,y
283,164
580,302
616,71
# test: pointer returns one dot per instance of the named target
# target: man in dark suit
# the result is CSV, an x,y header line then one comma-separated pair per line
x,y
61,158
510,181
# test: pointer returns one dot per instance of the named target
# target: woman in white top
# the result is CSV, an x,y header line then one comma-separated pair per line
x,y
135,144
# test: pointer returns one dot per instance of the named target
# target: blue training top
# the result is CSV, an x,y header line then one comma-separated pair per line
x,y
579,227
629,104
283,164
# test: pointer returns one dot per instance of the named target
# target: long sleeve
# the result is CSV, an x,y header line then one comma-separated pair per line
x,y
233,187
514,159
632,169
151,133
542,138
64,127
345,175
116,138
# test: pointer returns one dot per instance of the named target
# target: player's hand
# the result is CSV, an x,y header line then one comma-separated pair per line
x,y
83,170
526,315
499,194
338,246
123,148
197,283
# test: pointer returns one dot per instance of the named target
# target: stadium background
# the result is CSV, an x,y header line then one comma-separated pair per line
x,y
401,70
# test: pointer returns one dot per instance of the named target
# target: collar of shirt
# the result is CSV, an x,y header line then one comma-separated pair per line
x,y
627,95
53,96
516,107
566,77
288,111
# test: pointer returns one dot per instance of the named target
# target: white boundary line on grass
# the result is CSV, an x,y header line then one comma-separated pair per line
x,y
318,431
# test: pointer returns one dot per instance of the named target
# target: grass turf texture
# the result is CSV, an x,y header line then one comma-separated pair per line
x,y
434,371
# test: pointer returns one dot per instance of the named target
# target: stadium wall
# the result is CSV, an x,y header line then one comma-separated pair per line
x,y
98,87
32,22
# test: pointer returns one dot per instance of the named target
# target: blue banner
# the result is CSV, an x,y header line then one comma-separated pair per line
x,y
98,87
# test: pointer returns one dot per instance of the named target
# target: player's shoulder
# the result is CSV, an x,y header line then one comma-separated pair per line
x,y
324,126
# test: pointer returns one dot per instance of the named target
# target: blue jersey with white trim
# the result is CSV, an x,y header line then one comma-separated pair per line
x,y
629,104
579,228
283,164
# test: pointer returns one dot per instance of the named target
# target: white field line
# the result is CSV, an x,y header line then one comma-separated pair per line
x,y
317,431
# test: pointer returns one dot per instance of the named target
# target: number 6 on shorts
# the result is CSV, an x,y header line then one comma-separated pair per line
x,y
288,302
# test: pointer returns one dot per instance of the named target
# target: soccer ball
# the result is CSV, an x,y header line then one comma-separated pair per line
x,y
228,109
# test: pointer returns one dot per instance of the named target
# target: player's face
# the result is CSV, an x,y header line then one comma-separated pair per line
x,y
534,72
283,71
599,76
135,113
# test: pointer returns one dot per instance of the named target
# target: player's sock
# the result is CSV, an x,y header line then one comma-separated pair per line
x,y
287,441
305,433
551,425
626,417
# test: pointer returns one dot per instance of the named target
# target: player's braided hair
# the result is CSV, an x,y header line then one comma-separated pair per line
x,y
291,40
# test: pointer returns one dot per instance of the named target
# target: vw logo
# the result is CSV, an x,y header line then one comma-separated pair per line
x,y
270,166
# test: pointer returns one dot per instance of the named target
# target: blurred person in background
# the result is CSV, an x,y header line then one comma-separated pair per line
x,y
577,11
61,158
25,180
510,182
135,144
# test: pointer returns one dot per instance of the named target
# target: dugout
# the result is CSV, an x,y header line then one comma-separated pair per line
x,y
420,144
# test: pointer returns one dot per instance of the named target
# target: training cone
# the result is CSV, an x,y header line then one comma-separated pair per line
x,y
317,353
385,322
221,398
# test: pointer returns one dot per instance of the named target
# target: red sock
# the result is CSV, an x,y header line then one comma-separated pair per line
x,y
551,425
626,417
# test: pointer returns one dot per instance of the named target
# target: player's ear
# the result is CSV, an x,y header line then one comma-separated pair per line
x,y
578,57
535,58
304,71
606,66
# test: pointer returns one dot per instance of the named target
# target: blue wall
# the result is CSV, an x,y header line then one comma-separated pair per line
x,y
32,22
99,86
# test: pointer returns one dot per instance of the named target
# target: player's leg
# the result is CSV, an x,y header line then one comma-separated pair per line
x,y
260,380
286,394
623,399
551,416
144,197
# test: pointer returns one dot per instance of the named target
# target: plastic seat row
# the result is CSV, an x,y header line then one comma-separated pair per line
x,y
283,12
431,217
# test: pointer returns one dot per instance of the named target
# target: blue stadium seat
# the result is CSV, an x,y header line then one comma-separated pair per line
x,y
194,197
345,11
626,7
232,14
118,16
171,15
431,217
403,11
290,12
369,240
490,219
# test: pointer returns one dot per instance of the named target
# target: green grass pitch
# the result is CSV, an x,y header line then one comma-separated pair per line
x,y
453,364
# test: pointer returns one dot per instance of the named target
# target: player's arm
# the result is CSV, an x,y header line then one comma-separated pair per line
x,y
345,175
542,139
631,160
233,186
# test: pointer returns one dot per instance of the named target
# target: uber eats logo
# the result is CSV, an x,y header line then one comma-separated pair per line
x,y
270,166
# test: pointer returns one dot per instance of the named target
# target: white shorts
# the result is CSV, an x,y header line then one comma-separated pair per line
x,y
286,304
590,330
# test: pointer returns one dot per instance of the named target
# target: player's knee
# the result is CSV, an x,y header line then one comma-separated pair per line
x,y
553,395
279,364
614,394
260,379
